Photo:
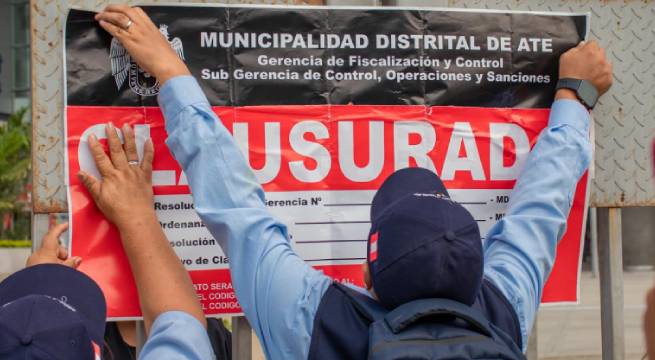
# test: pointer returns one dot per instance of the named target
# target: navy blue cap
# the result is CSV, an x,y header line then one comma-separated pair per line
x,y
404,182
422,244
51,311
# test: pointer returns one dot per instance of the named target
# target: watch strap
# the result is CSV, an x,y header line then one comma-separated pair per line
x,y
584,90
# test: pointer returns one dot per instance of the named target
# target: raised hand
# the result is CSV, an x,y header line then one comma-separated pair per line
x,y
587,61
143,41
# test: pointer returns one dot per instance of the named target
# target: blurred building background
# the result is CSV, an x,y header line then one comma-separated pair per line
x,y
15,127
14,56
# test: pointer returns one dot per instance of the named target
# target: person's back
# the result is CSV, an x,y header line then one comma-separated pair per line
x,y
416,231
342,329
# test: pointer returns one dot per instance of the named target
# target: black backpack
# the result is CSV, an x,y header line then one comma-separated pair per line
x,y
432,329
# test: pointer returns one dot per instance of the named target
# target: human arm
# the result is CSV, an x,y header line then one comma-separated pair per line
x,y
520,249
177,335
125,197
278,291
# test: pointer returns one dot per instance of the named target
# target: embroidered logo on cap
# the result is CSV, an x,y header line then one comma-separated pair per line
x,y
373,252
434,195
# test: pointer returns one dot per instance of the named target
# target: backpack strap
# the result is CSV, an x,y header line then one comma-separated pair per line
x,y
408,313
366,305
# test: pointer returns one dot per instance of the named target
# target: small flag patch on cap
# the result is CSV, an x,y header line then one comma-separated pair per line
x,y
96,351
373,252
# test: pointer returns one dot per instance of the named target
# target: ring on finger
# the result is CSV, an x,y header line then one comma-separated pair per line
x,y
127,26
133,162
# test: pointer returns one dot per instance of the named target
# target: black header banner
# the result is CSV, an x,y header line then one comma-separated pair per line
x,y
245,56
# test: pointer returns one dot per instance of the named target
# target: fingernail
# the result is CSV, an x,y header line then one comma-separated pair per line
x,y
78,261
110,125
93,138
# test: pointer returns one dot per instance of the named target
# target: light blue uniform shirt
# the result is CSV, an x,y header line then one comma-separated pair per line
x,y
177,335
280,293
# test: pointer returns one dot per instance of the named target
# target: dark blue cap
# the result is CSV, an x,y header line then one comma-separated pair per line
x,y
404,182
51,311
422,244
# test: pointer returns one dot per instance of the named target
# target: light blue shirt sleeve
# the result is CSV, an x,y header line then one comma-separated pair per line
x,y
520,249
277,290
177,335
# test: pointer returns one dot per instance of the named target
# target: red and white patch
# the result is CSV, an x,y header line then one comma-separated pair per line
x,y
97,353
373,252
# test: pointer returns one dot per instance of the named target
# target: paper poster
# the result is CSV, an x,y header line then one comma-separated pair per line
x,y
325,104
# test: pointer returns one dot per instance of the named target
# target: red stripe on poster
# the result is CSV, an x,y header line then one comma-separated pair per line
x,y
311,150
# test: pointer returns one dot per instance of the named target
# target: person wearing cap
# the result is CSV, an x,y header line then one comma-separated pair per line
x,y
49,310
421,244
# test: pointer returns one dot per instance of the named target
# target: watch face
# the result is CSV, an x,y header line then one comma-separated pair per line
x,y
588,94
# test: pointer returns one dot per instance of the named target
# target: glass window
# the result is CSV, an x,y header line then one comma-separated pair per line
x,y
23,94
21,68
20,41
21,24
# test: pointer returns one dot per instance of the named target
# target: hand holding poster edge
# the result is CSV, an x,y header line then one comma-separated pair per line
x,y
144,42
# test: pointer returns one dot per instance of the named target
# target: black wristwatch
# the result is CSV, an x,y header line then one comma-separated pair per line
x,y
584,90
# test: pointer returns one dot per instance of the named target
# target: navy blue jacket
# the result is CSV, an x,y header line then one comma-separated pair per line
x,y
341,331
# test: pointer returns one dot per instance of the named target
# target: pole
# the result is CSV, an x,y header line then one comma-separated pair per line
x,y
611,284
533,348
241,338
140,337
40,225
593,238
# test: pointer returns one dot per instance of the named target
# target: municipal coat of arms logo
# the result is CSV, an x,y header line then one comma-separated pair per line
x,y
123,67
